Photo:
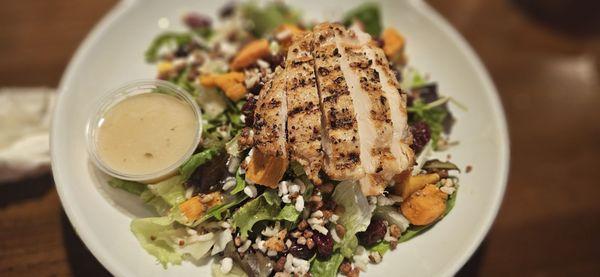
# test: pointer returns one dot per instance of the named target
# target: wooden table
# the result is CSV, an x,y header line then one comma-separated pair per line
x,y
544,61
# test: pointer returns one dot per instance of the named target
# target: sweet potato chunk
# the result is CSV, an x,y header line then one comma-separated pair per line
x,y
232,84
250,54
425,205
393,44
410,184
195,207
265,170
285,33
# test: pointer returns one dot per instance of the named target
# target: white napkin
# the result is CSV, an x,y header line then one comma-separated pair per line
x,y
24,140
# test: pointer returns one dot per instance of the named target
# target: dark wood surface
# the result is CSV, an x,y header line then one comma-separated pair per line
x,y
542,55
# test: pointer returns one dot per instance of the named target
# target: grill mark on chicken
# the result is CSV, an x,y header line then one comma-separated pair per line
x,y
340,139
304,114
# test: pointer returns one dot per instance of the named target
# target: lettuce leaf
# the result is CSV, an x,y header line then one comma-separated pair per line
x,y
264,207
128,186
368,14
236,271
326,268
266,19
170,190
164,40
240,184
159,204
161,238
381,247
195,161
356,216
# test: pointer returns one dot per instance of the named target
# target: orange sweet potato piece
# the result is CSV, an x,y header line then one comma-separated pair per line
x,y
393,44
266,170
411,184
232,83
250,53
195,207
292,30
425,205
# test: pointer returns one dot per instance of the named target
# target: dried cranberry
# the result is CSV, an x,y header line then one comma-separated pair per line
x,y
374,233
421,135
195,20
324,245
275,60
227,10
257,87
329,205
301,251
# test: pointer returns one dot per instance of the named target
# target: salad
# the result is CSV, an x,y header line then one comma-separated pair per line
x,y
313,159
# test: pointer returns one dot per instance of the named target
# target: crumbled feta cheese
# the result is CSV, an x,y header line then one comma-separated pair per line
x,y
294,189
271,231
226,265
262,64
189,192
244,247
334,235
361,258
299,205
288,243
286,199
232,164
313,221
317,214
250,190
283,188
296,265
448,190
334,218
271,253
320,229
229,183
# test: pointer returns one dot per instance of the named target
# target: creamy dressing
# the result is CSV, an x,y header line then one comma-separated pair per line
x,y
146,133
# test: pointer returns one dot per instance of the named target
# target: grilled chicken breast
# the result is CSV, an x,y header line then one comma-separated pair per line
x,y
335,107
340,140
304,113
270,156
372,112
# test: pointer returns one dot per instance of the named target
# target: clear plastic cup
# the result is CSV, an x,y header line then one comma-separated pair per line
x,y
128,90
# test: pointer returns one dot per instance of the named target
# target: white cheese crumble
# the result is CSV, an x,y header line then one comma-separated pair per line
x,y
250,190
226,265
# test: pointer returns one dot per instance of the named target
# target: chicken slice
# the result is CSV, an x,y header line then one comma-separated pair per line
x,y
304,114
270,142
372,112
402,139
340,139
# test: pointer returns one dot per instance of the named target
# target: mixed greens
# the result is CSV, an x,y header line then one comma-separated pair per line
x,y
208,208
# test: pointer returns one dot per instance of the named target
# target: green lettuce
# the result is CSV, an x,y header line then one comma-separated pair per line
x,y
195,161
326,268
264,207
166,40
170,244
157,202
170,190
381,247
129,186
368,14
265,19
356,216
240,184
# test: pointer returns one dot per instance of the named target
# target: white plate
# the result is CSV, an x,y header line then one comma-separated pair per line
x,y
113,54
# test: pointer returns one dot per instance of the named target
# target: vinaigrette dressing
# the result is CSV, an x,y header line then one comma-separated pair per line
x,y
146,133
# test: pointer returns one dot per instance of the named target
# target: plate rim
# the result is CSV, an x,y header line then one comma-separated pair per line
x,y
427,11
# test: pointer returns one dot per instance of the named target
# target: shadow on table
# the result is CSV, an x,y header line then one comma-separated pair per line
x,y
472,267
80,259
12,193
